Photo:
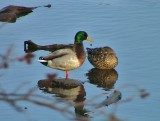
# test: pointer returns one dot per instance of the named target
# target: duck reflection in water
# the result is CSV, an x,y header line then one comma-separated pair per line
x,y
105,78
67,90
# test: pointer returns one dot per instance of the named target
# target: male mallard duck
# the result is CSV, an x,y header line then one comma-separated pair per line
x,y
102,58
67,57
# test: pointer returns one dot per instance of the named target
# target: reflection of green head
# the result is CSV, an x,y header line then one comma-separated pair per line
x,y
80,36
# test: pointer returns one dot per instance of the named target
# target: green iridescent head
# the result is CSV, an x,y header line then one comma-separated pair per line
x,y
82,35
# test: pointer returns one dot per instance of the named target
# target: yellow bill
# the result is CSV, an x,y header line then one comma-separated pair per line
x,y
89,39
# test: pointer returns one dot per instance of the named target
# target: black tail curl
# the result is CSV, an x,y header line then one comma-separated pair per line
x,y
30,46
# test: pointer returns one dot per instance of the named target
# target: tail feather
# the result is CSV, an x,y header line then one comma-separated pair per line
x,y
30,46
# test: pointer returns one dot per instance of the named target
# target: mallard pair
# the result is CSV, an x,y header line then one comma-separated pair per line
x,y
71,56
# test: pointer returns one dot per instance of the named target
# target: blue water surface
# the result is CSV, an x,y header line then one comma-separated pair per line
x,y
130,27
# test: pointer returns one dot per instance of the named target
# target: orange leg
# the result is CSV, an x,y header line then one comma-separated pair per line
x,y
67,74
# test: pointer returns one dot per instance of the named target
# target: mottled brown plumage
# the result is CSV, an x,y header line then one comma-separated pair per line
x,y
102,58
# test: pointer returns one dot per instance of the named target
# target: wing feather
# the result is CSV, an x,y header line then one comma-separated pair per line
x,y
57,54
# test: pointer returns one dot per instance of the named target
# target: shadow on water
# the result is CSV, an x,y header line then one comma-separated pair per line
x,y
11,13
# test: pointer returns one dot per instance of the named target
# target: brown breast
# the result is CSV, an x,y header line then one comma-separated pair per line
x,y
79,50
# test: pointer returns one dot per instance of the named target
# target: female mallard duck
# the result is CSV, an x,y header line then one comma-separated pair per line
x,y
102,58
67,58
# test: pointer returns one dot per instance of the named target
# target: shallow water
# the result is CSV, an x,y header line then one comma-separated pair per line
x,y
131,28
